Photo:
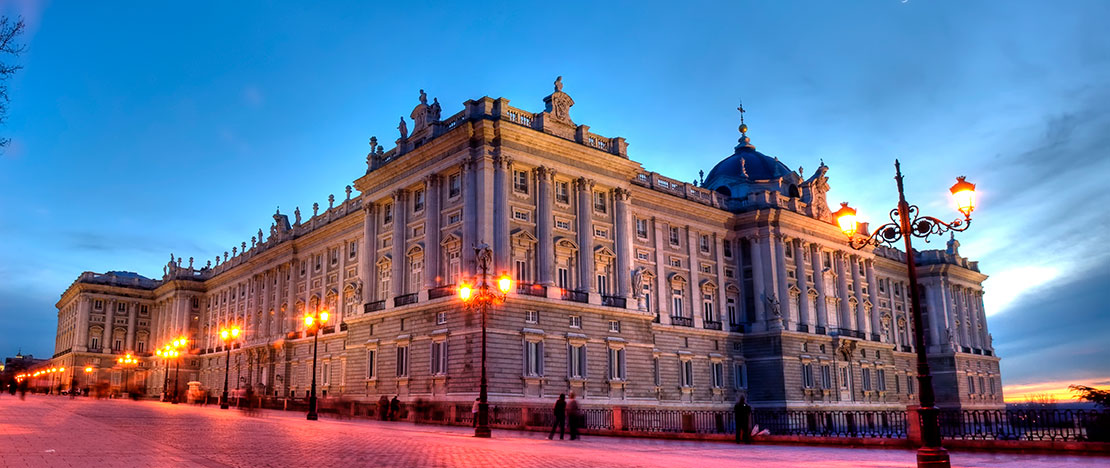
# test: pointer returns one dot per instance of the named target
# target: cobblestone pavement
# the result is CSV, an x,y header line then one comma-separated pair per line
x,y
46,431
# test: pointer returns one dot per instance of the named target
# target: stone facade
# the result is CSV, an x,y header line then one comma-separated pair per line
x,y
633,288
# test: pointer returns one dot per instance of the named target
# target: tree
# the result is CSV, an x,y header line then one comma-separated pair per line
x,y
1091,394
9,48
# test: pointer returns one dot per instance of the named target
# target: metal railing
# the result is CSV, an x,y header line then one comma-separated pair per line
x,y
442,291
682,321
1026,424
405,300
531,289
374,306
575,296
691,421
881,424
711,325
614,301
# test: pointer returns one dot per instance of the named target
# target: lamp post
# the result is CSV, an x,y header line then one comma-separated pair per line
x,y
124,362
180,343
480,297
165,352
88,377
314,320
906,223
227,335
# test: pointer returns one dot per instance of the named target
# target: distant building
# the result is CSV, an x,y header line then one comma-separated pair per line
x,y
633,288
17,364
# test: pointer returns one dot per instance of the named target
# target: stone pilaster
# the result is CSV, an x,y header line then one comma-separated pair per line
x,y
805,314
759,283
132,310
873,296
545,257
693,287
432,254
84,306
844,316
109,319
585,235
400,225
621,220
502,165
662,289
787,312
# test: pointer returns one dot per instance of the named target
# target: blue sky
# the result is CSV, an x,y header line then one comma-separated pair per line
x,y
141,130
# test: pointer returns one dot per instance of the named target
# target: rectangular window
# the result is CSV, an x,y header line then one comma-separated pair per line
x,y
909,384
826,377
707,307
674,235
991,381
95,343
520,181
641,228
371,363
970,383
98,304
643,255
142,310
676,262
707,268
564,277
807,375
576,365
788,250
739,376
703,243
844,378
657,378
603,284
575,321
532,316
387,213
402,361
599,202
826,260
562,224
717,372
726,246
562,192
615,326
686,373
352,250
601,233
533,358
334,258
454,218
616,363
441,318
880,375
121,307
325,373
521,215
866,377
319,263
730,307
676,303
418,200
454,185
730,273
982,388
118,346
439,357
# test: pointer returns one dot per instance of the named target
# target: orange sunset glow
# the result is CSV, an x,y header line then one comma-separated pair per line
x,y
1055,389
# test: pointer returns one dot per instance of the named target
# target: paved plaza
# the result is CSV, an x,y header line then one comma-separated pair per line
x,y
44,431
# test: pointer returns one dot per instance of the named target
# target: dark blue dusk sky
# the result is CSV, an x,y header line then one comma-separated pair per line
x,y
142,130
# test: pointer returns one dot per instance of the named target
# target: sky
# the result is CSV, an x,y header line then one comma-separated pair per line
x,y
142,130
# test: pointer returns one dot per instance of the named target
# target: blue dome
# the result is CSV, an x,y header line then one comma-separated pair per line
x,y
746,160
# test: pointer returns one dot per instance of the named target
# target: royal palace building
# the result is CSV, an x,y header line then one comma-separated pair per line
x,y
632,288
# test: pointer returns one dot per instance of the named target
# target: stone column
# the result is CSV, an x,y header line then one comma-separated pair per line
x,y
662,289
109,320
862,322
585,235
623,275
805,315
873,296
741,300
695,273
267,290
400,225
468,172
132,310
502,253
432,255
783,294
291,295
722,289
545,257
951,307
760,299
934,301
84,306
367,256
843,314
484,179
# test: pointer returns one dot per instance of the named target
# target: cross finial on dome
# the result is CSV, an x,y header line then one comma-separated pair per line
x,y
744,140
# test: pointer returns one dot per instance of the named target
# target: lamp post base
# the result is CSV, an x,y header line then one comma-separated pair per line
x,y
933,457
223,402
482,431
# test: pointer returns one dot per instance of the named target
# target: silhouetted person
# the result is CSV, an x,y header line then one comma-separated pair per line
x,y
383,408
573,416
560,418
743,414
23,389
394,409
474,412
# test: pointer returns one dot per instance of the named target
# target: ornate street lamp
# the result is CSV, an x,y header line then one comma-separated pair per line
x,y
180,343
165,352
314,320
906,223
227,335
480,297
125,362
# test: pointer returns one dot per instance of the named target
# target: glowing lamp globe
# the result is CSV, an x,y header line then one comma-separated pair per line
x,y
235,332
464,292
846,219
308,320
964,193
504,283
324,316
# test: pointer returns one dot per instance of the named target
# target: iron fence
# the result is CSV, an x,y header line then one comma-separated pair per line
x,y
880,424
1026,424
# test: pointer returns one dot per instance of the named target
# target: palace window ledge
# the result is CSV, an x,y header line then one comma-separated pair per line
x,y
534,379
686,389
617,384
718,391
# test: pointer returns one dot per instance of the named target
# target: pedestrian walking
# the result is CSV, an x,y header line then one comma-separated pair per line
x,y
743,415
573,416
474,412
383,408
560,418
395,409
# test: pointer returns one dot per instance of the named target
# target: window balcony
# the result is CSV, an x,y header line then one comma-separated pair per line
x,y
575,296
711,325
614,301
819,330
907,349
405,299
531,289
374,306
875,337
737,328
442,291
682,321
